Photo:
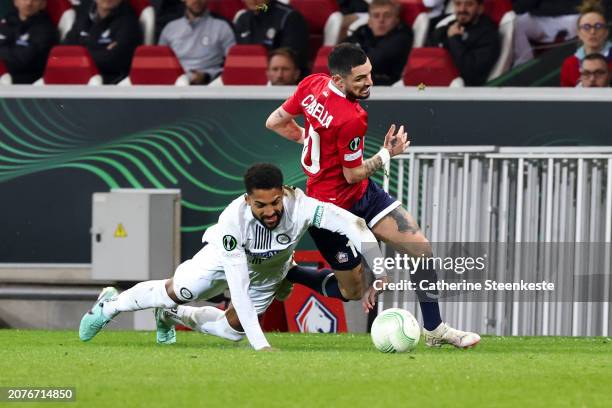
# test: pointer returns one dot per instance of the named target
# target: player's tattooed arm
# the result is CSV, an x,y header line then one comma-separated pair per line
x,y
395,143
285,125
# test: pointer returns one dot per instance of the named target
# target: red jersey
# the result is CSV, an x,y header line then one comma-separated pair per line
x,y
334,137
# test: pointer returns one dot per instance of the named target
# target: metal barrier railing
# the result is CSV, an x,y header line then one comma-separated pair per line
x,y
544,211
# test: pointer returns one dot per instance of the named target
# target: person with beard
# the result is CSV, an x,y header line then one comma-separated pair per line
x,y
110,31
472,40
26,37
249,251
332,158
200,41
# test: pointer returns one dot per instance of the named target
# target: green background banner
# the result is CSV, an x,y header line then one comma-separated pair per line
x,y
54,153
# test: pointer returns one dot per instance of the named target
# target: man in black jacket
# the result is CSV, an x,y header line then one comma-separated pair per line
x,y
110,31
26,37
386,40
473,41
273,25
544,21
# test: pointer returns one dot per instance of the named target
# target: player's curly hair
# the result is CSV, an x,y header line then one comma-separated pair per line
x,y
264,176
591,6
344,57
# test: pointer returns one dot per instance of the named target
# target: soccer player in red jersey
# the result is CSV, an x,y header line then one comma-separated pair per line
x,y
332,158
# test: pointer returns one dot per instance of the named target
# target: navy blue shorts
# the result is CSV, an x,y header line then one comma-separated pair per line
x,y
335,248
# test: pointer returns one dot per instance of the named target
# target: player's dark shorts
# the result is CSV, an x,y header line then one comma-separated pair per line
x,y
335,248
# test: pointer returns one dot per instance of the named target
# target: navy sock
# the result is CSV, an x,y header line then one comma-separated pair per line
x,y
430,309
319,281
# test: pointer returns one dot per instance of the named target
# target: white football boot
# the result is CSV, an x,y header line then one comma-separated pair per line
x,y
444,334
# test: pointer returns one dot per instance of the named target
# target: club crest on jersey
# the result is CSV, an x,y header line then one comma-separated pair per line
x,y
342,257
317,111
283,239
354,144
229,242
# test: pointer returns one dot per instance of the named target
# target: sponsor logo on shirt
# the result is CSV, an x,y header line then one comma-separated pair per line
x,y
245,34
229,242
271,33
205,40
317,111
318,217
106,33
23,40
84,34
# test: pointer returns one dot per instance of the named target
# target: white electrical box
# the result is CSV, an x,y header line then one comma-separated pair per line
x,y
135,234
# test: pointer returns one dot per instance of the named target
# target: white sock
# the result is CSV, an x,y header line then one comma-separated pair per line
x,y
221,328
141,296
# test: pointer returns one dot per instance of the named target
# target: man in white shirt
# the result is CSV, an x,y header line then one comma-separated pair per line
x,y
248,251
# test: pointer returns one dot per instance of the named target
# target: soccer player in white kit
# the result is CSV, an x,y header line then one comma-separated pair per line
x,y
248,251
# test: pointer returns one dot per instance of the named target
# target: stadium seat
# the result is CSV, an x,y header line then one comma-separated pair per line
x,y
155,65
226,8
414,13
5,76
317,13
245,65
70,65
62,14
320,62
501,13
430,66
146,16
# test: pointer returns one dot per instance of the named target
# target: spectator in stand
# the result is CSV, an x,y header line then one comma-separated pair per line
x,y
282,67
273,25
544,21
435,12
595,72
472,40
200,41
386,40
110,31
26,37
593,34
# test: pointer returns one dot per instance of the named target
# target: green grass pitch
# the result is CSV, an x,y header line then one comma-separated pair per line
x,y
127,369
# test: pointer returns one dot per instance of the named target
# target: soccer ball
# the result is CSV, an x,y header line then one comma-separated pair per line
x,y
395,331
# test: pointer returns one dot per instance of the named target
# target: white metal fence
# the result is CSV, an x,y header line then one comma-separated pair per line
x,y
544,211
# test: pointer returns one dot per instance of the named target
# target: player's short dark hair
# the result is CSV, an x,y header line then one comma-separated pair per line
x,y
264,176
344,57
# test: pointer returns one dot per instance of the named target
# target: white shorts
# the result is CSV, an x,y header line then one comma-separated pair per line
x,y
202,277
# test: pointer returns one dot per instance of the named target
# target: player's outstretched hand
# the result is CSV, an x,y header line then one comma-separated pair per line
x,y
396,143
368,301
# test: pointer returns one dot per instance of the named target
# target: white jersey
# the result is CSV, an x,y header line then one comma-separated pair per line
x,y
252,254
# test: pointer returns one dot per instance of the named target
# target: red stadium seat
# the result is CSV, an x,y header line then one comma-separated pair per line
x,y
320,62
246,65
497,9
71,64
62,14
226,8
316,13
430,66
5,76
146,17
156,65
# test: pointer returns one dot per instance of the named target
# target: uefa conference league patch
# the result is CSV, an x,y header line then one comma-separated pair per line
x,y
229,242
